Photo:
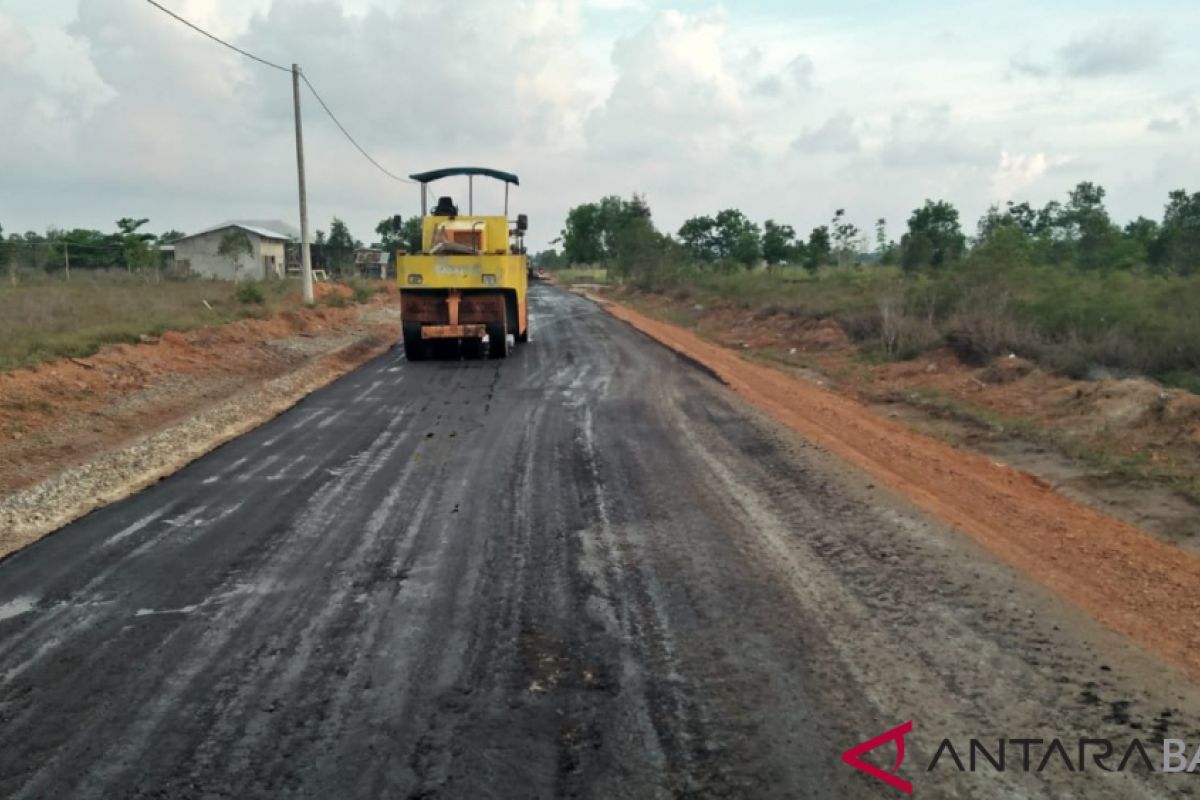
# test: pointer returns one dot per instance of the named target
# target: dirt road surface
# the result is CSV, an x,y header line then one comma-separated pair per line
x,y
587,571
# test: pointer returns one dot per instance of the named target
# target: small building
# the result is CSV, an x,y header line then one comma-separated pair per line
x,y
373,262
202,253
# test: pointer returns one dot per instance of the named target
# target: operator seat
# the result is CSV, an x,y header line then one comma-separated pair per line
x,y
445,208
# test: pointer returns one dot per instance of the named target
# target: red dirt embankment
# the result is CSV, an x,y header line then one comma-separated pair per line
x,y
1138,585
76,434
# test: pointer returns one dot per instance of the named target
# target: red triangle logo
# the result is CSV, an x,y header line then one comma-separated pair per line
x,y
853,757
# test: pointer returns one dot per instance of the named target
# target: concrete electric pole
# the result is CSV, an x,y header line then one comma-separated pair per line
x,y
305,253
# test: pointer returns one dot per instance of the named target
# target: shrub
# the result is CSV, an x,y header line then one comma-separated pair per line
x,y
335,300
249,293
363,290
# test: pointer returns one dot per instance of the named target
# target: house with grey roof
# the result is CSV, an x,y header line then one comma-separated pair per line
x,y
202,254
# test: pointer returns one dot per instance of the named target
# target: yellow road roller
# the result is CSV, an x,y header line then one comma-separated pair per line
x,y
466,290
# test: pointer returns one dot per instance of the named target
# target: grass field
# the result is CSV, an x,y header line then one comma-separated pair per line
x,y
1080,323
576,275
43,318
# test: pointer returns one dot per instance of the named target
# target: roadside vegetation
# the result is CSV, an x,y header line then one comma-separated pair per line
x,y
1063,285
67,293
43,318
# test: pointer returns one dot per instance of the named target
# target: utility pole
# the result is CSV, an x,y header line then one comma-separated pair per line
x,y
305,254
67,258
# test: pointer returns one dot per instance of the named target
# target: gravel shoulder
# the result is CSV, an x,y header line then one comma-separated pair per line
x,y
82,433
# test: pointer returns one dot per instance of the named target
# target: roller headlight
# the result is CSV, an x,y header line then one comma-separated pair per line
x,y
415,280
489,280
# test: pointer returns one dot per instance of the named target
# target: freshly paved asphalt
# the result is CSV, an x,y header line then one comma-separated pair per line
x,y
585,571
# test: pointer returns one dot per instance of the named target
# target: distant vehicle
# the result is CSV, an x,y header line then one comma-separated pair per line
x,y
466,290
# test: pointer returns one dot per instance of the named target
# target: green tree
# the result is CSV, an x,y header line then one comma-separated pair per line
x,y
820,248
934,237
91,249
779,244
170,237
583,235
699,238
1178,245
549,259
594,232
885,249
1004,246
340,246
1142,235
1024,217
636,246
1085,222
391,234
234,245
128,226
411,232
845,237
738,239
135,245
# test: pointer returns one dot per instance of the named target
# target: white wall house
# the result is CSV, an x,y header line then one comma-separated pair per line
x,y
199,254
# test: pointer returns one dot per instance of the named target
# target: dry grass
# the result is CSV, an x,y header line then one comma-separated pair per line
x,y
46,318
1075,322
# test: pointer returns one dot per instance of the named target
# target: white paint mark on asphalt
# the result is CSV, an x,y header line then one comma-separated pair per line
x,y
16,607
214,478
185,519
301,423
134,528
283,471
331,418
146,612
200,522
262,465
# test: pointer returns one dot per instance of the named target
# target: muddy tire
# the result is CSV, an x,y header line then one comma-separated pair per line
x,y
415,348
497,340
473,348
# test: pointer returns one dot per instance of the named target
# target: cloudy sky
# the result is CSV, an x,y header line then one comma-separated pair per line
x,y
785,109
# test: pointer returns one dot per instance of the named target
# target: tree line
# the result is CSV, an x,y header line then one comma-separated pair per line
x,y
128,247
1077,232
131,247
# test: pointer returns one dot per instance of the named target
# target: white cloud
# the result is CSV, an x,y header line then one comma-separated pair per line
x,y
1104,51
1113,50
1018,172
16,45
1165,125
674,91
836,135
932,138
787,115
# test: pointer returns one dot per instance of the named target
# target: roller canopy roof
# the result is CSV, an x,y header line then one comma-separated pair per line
x,y
438,174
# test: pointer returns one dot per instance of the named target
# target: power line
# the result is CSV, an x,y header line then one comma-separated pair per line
x,y
282,68
342,128
216,39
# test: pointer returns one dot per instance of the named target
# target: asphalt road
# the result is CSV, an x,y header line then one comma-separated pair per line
x,y
586,571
